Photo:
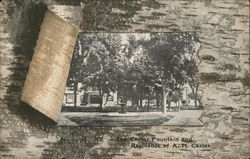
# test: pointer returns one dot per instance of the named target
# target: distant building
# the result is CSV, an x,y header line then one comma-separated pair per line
x,y
88,96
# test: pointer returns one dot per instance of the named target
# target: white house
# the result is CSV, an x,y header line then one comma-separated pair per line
x,y
88,97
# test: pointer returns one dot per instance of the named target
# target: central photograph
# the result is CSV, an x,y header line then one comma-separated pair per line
x,y
133,79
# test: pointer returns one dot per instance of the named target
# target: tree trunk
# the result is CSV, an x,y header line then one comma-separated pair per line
x,y
133,102
148,103
168,101
141,99
137,102
75,93
196,95
178,103
100,98
164,99
157,100
194,91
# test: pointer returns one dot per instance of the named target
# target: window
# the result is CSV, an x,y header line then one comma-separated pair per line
x,y
70,88
95,99
69,98
110,98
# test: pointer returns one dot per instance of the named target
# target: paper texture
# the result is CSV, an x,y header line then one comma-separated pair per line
x,y
48,70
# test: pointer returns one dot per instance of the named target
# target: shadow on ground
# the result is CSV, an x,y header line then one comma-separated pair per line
x,y
119,121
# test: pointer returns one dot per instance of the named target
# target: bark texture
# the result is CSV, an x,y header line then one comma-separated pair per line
x,y
223,73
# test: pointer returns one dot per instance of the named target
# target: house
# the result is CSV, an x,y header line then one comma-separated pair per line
x,y
87,96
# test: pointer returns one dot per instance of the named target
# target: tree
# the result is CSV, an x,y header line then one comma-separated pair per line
x,y
191,68
137,67
140,72
131,70
175,97
76,68
166,53
93,62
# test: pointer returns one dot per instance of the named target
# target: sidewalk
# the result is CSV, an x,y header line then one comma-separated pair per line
x,y
185,118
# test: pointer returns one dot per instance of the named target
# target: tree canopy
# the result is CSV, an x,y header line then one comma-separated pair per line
x,y
135,65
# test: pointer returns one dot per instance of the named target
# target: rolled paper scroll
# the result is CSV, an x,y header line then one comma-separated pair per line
x,y
48,71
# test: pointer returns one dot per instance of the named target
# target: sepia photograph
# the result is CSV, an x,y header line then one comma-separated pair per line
x,y
133,79
124,79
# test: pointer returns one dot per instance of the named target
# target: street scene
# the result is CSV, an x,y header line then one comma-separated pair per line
x,y
131,79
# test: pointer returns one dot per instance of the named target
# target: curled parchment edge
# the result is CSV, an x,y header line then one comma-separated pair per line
x,y
48,71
